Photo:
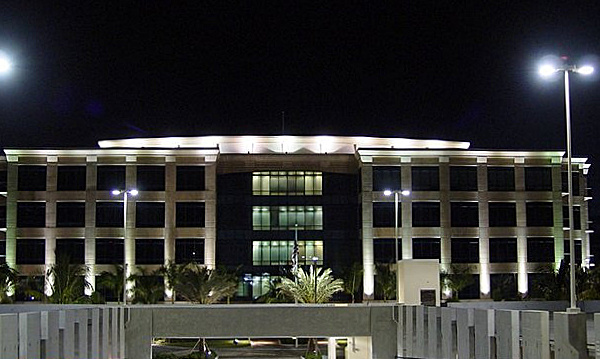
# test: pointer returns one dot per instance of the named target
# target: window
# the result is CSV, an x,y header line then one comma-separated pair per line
x,y
110,178
426,248
540,249
190,214
464,214
274,253
387,178
463,178
70,214
189,250
503,250
31,214
71,178
565,183
538,179
151,178
471,291
287,183
190,178
285,217
426,214
384,250
576,217
425,178
501,178
2,217
149,251
3,177
2,251
465,250
109,214
149,214
383,214
32,178
109,251
503,214
503,286
539,214
72,248
567,251
31,251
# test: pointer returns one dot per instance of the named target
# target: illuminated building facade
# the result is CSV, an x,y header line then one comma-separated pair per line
x,y
240,201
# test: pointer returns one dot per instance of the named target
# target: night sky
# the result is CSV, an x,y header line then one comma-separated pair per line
x,y
463,71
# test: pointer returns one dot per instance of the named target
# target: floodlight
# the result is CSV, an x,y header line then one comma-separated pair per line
x,y
547,70
585,70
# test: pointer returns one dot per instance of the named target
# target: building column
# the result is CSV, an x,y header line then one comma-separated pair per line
x,y
12,175
557,208
368,255
50,229
405,173
129,227
522,280
170,230
210,240
445,215
90,218
484,228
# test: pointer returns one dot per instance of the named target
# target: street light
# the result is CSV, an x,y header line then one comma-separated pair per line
x,y
388,192
126,194
546,71
5,63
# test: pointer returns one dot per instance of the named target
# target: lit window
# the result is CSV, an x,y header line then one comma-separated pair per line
x,y
287,183
272,253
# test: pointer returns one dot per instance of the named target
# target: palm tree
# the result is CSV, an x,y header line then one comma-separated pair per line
x,y
316,286
273,294
113,281
149,286
385,281
173,273
8,282
206,286
67,282
459,278
353,277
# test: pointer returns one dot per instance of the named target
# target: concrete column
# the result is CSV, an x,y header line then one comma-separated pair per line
x,y
9,336
557,204
535,329
522,280
331,345
29,335
359,348
383,332
210,242
90,219
420,332
139,334
409,330
170,229
407,234
464,323
433,333
484,330
484,228
507,334
50,334
94,333
445,215
12,174
114,332
570,335
400,331
122,349
50,229
104,336
81,334
366,172
448,341
67,325
130,232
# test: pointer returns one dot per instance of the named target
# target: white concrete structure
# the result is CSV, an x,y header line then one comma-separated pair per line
x,y
414,277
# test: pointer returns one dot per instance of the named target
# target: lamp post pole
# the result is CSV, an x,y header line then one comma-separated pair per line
x,y
315,259
548,70
125,194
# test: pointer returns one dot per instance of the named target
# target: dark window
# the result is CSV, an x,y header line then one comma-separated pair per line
x,y
2,217
72,248
70,214
471,291
576,217
426,214
32,178
565,183
189,250
425,178
384,250
149,214
109,251
110,178
465,250
464,214
463,178
539,214
538,282
503,250
538,179
383,214
149,251
71,178
567,251
387,178
503,286
501,179
426,248
31,251
2,251
540,249
3,177
109,214
503,214
151,178
31,214
190,178
190,214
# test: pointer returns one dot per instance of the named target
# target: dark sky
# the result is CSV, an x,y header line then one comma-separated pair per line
x,y
423,69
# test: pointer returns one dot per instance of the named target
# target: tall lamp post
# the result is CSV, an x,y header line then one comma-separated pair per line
x,y
388,192
314,260
126,194
546,71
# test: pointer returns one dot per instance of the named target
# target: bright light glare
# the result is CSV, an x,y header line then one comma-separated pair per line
x,y
406,192
585,70
133,192
116,192
547,70
5,65
387,192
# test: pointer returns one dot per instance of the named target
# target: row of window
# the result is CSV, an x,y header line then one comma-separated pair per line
x,y
287,183
466,250
466,214
271,253
110,214
464,178
110,250
73,178
275,218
